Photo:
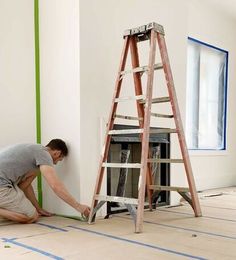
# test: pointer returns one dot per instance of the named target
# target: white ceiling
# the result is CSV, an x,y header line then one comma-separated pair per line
x,y
226,6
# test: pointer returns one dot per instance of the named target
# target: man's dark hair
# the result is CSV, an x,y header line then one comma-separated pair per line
x,y
58,144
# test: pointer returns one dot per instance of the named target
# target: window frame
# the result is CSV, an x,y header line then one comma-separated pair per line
x,y
225,95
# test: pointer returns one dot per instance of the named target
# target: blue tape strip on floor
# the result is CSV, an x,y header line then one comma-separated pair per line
x,y
207,206
13,241
139,243
189,214
52,227
181,228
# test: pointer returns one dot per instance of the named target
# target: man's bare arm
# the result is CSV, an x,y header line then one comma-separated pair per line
x,y
29,193
60,190
26,186
27,180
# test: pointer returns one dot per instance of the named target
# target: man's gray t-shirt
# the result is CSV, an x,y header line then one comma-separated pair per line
x,y
17,160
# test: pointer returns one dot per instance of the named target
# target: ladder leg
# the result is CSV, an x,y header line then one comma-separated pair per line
x,y
137,78
109,127
140,107
149,182
145,137
178,123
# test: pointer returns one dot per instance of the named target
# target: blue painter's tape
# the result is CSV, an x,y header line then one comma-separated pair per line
x,y
189,214
139,243
12,241
207,44
51,227
181,228
215,207
192,230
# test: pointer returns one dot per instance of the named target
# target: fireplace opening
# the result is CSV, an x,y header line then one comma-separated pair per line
x,y
123,182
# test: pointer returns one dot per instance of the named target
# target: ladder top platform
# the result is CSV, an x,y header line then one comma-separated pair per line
x,y
144,29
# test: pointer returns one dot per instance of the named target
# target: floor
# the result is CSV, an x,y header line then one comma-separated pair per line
x,y
169,233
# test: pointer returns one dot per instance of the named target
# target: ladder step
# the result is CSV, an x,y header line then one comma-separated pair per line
x,y
125,131
116,199
162,115
128,117
141,69
140,130
157,100
163,131
168,188
165,160
122,165
128,98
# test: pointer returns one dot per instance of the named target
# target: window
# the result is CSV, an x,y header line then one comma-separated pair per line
x,y
206,96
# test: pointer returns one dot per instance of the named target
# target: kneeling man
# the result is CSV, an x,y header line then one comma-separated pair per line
x,y
19,165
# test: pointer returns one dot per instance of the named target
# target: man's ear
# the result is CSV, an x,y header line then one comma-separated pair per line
x,y
57,152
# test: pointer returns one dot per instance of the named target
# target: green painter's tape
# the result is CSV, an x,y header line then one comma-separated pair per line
x,y
37,85
82,218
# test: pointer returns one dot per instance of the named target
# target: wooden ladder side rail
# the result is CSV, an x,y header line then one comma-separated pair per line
x,y
109,127
178,123
136,76
146,132
140,107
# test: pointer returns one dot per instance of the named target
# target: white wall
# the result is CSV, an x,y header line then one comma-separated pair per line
x,y
17,72
60,97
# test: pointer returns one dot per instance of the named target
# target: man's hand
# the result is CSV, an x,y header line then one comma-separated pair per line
x,y
45,213
84,209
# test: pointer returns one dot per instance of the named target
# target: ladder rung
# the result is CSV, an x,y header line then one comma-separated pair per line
x,y
165,160
168,188
128,117
122,165
128,98
157,100
140,130
116,199
162,115
141,69
125,131
163,131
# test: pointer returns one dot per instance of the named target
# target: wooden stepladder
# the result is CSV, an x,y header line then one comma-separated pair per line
x,y
155,34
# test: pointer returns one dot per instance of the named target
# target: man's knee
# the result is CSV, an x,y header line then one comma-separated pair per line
x,y
29,220
33,219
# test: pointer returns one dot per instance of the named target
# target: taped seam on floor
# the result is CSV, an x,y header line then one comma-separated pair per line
x,y
189,214
139,243
215,207
13,241
51,227
182,228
